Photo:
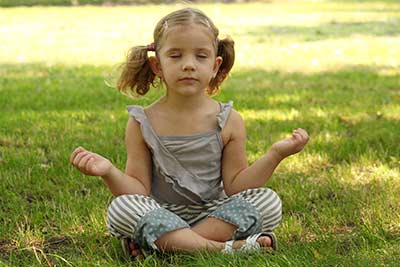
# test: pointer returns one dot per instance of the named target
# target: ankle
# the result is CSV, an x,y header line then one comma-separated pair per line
x,y
264,241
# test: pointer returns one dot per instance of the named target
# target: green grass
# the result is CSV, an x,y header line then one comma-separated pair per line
x,y
332,68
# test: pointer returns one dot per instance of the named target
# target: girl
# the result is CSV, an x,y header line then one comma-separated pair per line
x,y
187,185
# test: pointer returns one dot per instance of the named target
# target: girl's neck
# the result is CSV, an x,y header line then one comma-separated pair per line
x,y
184,104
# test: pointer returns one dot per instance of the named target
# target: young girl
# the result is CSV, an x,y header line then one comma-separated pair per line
x,y
187,185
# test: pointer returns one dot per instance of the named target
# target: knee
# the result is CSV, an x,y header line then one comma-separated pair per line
x,y
136,204
271,210
117,214
117,201
273,203
125,211
118,206
266,200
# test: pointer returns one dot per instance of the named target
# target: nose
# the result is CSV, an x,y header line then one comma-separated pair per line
x,y
188,64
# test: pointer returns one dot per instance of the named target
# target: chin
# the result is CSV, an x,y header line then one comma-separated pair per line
x,y
189,91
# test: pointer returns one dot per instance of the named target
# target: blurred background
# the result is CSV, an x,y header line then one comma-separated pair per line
x,y
114,2
282,35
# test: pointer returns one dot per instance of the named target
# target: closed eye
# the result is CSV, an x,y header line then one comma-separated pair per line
x,y
202,56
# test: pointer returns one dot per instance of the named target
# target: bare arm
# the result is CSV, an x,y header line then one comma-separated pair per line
x,y
236,173
137,176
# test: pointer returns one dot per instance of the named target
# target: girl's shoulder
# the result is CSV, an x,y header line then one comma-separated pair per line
x,y
234,121
139,112
234,128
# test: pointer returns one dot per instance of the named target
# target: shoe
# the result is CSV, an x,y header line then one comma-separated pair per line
x,y
251,243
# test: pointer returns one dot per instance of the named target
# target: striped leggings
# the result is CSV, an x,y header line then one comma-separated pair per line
x,y
144,220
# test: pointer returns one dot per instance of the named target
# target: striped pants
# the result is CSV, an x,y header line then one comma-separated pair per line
x,y
144,220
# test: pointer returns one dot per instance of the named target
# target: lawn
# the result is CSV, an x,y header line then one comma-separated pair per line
x,y
332,68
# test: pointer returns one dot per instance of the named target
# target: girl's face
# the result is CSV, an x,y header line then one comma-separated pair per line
x,y
187,60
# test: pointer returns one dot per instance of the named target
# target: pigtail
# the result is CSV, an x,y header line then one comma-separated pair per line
x,y
136,75
226,50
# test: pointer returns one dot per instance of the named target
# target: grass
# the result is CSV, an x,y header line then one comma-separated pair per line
x,y
329,67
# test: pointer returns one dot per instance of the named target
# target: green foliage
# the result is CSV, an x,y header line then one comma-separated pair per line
x,y
331,68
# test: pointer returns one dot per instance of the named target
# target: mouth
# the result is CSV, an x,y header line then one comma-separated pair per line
x,y
188,79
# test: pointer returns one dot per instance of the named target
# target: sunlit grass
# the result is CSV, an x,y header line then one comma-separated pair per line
x,y
310,37
270,114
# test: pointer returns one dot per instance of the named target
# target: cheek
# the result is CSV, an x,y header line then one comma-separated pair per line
x,y
162,71
169,68
167,75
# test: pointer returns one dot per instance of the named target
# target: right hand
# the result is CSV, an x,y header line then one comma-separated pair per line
x,y
291,145
90,163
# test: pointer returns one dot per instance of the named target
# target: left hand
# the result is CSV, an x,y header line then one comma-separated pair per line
x,y
291,145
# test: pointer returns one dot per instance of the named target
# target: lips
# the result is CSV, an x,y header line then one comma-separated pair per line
x,y
188,79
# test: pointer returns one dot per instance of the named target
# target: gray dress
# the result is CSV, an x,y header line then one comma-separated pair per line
x,y
187,188
186,169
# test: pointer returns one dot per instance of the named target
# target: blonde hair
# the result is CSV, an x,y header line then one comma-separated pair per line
x,y
137,76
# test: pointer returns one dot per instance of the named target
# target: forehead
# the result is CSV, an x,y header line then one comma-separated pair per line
x,y
188,36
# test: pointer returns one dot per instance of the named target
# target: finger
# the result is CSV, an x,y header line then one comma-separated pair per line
x,y
75,152
89,164
303,137
303,134
84,161
78,158
297,136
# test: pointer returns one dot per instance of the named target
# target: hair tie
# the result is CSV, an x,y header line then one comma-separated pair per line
x,y
151,47
165,25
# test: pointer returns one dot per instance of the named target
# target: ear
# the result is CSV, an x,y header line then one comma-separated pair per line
x,y
155,66
217,64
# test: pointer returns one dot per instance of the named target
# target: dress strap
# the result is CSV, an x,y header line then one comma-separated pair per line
x,y
149,136
136,112
223,115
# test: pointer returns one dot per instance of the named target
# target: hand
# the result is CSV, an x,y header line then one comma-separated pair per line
x,y
90,163
292,145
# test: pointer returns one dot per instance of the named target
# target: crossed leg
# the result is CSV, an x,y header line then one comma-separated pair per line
x,y
208,235
218,230
211,233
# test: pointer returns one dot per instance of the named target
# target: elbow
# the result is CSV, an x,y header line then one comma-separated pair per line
x,y
136,192
231,186
143,192
229,191
132,189
147,192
